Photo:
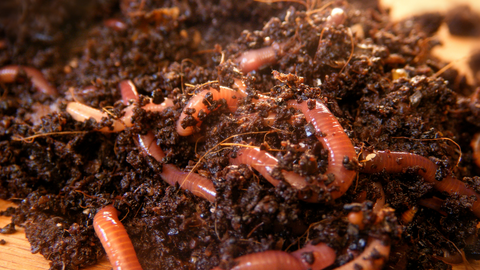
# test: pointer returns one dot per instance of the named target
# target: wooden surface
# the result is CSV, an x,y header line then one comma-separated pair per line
x,y
15,253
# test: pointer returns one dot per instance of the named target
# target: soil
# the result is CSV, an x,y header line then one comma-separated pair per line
x,y
376,77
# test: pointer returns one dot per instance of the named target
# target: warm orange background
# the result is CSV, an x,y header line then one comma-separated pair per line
x,y
15,254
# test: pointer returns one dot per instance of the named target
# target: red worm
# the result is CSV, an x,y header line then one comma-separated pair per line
x,y
9,74
372,258
128,91
200,103
433,203
81,112
330,133
115,239
255,59
398,162
264,163
198,185
323,256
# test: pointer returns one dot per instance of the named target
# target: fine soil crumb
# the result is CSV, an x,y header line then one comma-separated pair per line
x,y
376,77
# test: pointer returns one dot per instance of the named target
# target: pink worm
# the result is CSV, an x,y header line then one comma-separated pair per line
x,y
9,74
323,256
372,258
199,103
128,91
115,240
264,163
330,133
255,59
398,162
198,185
433,203
81,112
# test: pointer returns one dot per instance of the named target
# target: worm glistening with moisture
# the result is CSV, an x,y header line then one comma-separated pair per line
x,y
331,134
115,240
397,162
200,102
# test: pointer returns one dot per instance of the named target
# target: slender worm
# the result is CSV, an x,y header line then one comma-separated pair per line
x,y
433,203
372,258
81,112
340,149
202,102
198,185
128,91
398,162
323,256
255,59
115,240
264,163
9,74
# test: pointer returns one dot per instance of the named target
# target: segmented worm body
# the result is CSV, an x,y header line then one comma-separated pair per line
x,y
255,59
398,162
198,185
82,112
323,256
128,91
332,136
372,258
433,203
115,240
206,101
9,74
264,163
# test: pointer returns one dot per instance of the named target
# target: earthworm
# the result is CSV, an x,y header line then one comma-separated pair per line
x,y
200,102
128,91
323,256
82,112
198,185
475,144
9,74
433,203
398,162
372,258
115,240
257,58
264,163
332,136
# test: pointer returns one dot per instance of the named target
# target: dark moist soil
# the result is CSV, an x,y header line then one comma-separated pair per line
x,y
385,95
